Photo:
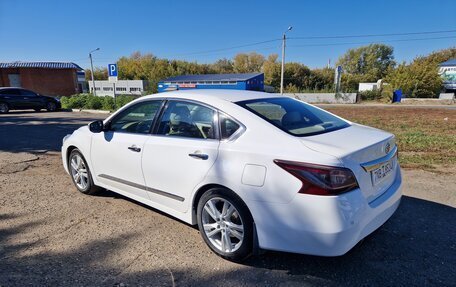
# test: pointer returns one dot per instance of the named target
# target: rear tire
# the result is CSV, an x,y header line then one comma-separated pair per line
x,y
225,223
51,107
80,173
4,108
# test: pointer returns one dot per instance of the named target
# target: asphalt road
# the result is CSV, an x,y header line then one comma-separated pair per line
x,y
52,235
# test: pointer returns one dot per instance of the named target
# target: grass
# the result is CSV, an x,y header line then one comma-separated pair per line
x,y
426,137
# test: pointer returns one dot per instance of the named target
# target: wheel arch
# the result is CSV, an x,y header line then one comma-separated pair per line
x,y
68,152
201,190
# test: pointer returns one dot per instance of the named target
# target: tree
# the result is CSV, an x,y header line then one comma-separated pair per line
x,y
223,66
420,78
248,63
296,75
372,62
271,69
98,74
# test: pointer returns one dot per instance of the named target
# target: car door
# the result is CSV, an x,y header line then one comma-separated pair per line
x,y
179,154
116,153
13,98
30,100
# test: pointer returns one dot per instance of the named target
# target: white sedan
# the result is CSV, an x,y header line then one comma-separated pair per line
x,y
253,170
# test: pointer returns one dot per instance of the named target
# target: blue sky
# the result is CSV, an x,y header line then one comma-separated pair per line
x,y
52,30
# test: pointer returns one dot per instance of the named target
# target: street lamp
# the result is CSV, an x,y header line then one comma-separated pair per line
x,y
283,58
91,70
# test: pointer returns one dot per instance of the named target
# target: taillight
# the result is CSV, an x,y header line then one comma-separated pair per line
x,y
320,179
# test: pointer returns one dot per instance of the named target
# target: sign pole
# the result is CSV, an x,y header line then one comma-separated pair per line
x,y
114,87
112,73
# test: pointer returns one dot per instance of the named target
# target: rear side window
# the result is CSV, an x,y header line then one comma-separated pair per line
x,y
293,116
10,92
228,126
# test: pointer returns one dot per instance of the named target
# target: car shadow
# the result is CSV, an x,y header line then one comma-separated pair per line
x,y
37,132
416,247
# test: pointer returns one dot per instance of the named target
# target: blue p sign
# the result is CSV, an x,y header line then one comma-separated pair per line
x,y
112,70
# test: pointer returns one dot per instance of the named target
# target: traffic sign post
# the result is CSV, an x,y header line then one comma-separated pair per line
x,y
112,73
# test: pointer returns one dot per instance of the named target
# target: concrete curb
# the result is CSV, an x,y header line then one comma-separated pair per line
x,y
90,111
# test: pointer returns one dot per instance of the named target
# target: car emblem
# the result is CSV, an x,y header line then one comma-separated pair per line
x,y
387,148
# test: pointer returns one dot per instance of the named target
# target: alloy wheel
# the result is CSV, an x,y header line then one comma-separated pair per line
x,y
3,108
222,225
79,172
51,107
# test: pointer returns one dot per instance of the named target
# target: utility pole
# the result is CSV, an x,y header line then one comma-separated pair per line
x,y
91,70
284,39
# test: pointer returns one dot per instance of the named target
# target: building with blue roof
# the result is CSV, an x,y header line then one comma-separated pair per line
x,y
249,81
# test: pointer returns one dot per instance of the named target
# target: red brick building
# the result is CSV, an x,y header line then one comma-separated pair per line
x,y
47,78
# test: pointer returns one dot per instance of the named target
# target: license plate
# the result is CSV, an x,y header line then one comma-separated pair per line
x,y
382,172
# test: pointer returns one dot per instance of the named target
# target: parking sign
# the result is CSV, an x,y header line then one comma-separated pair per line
x,y
112,72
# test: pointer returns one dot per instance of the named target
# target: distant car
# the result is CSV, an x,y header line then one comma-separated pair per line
x,y
253,170
22,99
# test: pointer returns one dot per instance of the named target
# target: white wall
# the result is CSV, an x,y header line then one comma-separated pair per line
x,y
123,87
367,87
330,98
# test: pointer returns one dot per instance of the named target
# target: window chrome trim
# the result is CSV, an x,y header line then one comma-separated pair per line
x,y
143,187
242,128
372,165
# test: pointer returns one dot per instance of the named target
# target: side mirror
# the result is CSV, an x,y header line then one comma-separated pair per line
x,y
96,126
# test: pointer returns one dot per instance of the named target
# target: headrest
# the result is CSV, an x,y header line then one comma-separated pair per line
x,y
291,118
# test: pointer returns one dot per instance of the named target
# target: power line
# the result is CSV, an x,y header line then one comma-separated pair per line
x,y
229,48
383,41
315,37
373,35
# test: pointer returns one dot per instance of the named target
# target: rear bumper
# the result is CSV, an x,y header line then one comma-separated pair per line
x,y
324,226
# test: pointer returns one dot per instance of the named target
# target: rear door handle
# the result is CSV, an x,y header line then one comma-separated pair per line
x,y
199,156
134,148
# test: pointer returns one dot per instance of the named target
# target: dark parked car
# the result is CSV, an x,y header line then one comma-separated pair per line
x,y
21,99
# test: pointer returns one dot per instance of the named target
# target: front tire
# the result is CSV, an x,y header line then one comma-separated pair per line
x,y
51,107
80,173
225,224
4,108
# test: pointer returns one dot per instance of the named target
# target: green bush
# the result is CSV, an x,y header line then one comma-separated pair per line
x,y
94,103
374,95
88,101
122,100
108,104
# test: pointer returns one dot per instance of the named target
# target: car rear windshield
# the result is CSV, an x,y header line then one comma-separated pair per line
x,y
293,116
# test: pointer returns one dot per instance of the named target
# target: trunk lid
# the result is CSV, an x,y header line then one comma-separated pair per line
x,y
370,153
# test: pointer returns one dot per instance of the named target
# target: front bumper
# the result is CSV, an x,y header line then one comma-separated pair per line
x,y
323,225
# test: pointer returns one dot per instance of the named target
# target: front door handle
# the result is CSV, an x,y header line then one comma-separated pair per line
x,y
134,148
199,156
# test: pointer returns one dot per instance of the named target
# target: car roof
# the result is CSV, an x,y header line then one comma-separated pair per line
x,y
214,95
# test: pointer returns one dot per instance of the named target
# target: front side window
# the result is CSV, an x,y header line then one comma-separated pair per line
x,y
293,116
185,119
137,118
